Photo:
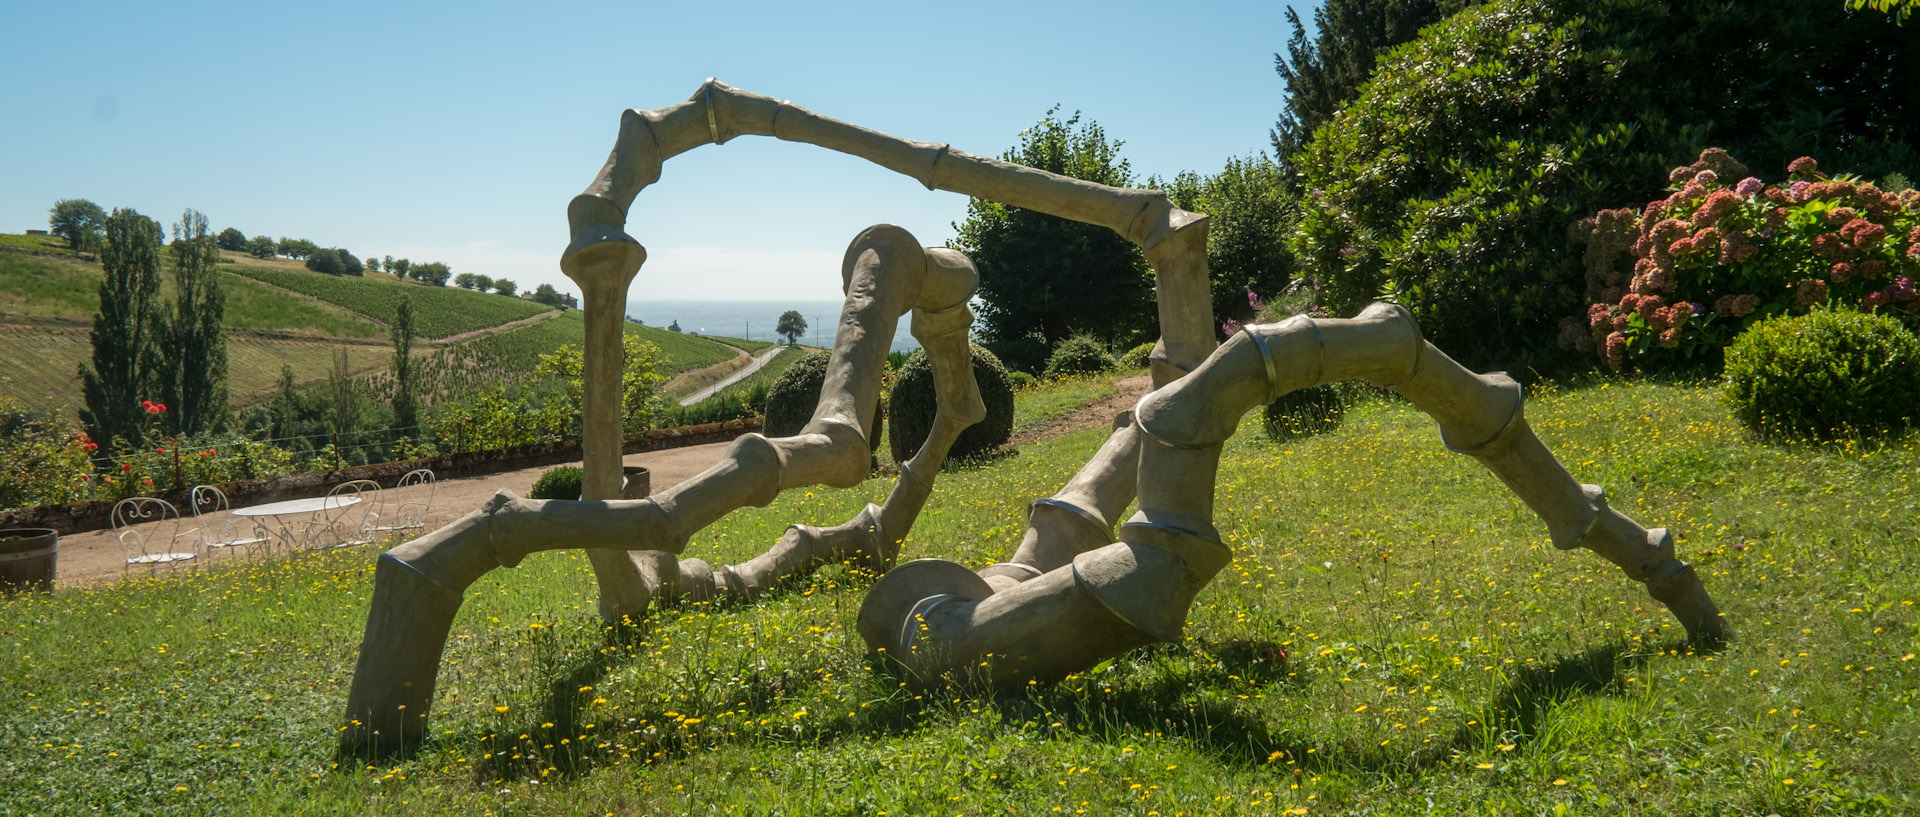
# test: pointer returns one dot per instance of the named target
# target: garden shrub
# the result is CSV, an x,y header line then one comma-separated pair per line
x,y
1304,412
796,393
1079,354
1725,250
912,406
1825,374
1449,183
1022,380
562,482
1027,353
1139,357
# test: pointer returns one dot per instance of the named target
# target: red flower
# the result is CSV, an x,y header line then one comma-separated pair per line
x,y
125,467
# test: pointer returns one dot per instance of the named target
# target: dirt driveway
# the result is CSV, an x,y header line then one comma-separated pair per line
x,y
88,558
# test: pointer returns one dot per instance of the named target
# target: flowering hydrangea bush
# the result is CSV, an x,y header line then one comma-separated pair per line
x,y
1726,249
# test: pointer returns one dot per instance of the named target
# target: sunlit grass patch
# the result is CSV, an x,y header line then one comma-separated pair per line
x,y
1395,631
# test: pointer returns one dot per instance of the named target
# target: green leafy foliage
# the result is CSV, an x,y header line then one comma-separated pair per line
x,y
1045,274
562,482
1139,357
79,221
1079,354
1825,374
1679,279
1448,184
438,311
912,404
127,333
195,377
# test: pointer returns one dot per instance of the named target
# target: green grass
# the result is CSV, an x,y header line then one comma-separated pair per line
x,y
35,243
768,373
439,312
1441,657
1049,399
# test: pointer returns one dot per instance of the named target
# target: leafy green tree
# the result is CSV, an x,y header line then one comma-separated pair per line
x,y
79,221
467,280
792,326
640,379
372,264
349,263
1450,182
546,294
1326,72
285,411
432,272
196,371
233,240
401,267
505,286
326,261
261,246
1249,212
127,332
406,410
296,248
1044,274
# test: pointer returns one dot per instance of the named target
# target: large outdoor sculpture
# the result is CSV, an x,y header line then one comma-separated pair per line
x,y
1070,595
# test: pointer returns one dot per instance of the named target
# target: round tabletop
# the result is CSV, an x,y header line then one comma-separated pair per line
x,y
292,506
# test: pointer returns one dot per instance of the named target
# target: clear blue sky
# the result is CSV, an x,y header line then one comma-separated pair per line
x,y
458,132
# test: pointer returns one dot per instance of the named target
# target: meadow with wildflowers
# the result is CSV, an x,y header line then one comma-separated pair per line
x,y
1395,635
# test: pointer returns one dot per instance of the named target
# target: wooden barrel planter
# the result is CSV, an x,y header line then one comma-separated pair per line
x,y
27,559
638,483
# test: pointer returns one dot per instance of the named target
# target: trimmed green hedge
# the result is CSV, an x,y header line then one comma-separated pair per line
x,y
1825,374
913,404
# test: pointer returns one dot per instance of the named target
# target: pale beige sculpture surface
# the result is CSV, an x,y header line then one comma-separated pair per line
x,y
1070,595
1071,599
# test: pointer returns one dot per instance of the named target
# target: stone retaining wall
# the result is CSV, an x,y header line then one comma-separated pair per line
x,y
97,514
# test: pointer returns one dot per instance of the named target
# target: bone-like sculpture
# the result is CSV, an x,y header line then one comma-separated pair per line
x,y
1073,603
1069,595
418,585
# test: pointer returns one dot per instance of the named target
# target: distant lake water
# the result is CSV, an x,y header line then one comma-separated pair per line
x,y
755,320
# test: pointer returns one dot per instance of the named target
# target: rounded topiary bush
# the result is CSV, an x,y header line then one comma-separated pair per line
x,y
1825,374
796,392
1139,357
1080,354
1304,412
911,407
1022,380
557,483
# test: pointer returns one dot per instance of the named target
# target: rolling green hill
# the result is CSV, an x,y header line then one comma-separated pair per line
x,y
279,314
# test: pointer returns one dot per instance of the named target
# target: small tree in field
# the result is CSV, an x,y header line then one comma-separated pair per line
x,y
79,221
792,326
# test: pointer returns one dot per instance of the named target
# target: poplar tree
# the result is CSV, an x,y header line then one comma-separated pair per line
x,y
127,332
406,411
196,377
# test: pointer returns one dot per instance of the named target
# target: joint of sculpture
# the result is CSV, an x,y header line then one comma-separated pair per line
x,y
1077,590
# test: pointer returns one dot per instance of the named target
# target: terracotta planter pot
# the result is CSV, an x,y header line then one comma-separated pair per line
x,y
27,559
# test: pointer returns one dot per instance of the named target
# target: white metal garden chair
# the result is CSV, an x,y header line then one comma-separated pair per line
x,y
413,512
221,532
149,532
350,524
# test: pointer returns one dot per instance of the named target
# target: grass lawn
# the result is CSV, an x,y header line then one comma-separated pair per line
x,y
1394,636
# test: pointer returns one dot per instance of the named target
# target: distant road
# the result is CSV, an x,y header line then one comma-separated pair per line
x,y
733,378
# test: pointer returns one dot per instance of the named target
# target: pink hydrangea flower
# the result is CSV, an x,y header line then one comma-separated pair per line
x,y
1841,271
1810,292
1747,187
1804,164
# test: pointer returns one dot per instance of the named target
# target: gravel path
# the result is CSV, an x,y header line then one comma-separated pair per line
x,y
733,378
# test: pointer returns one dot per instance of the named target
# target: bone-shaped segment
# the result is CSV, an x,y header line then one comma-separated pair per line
x,y
418,585
932,617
